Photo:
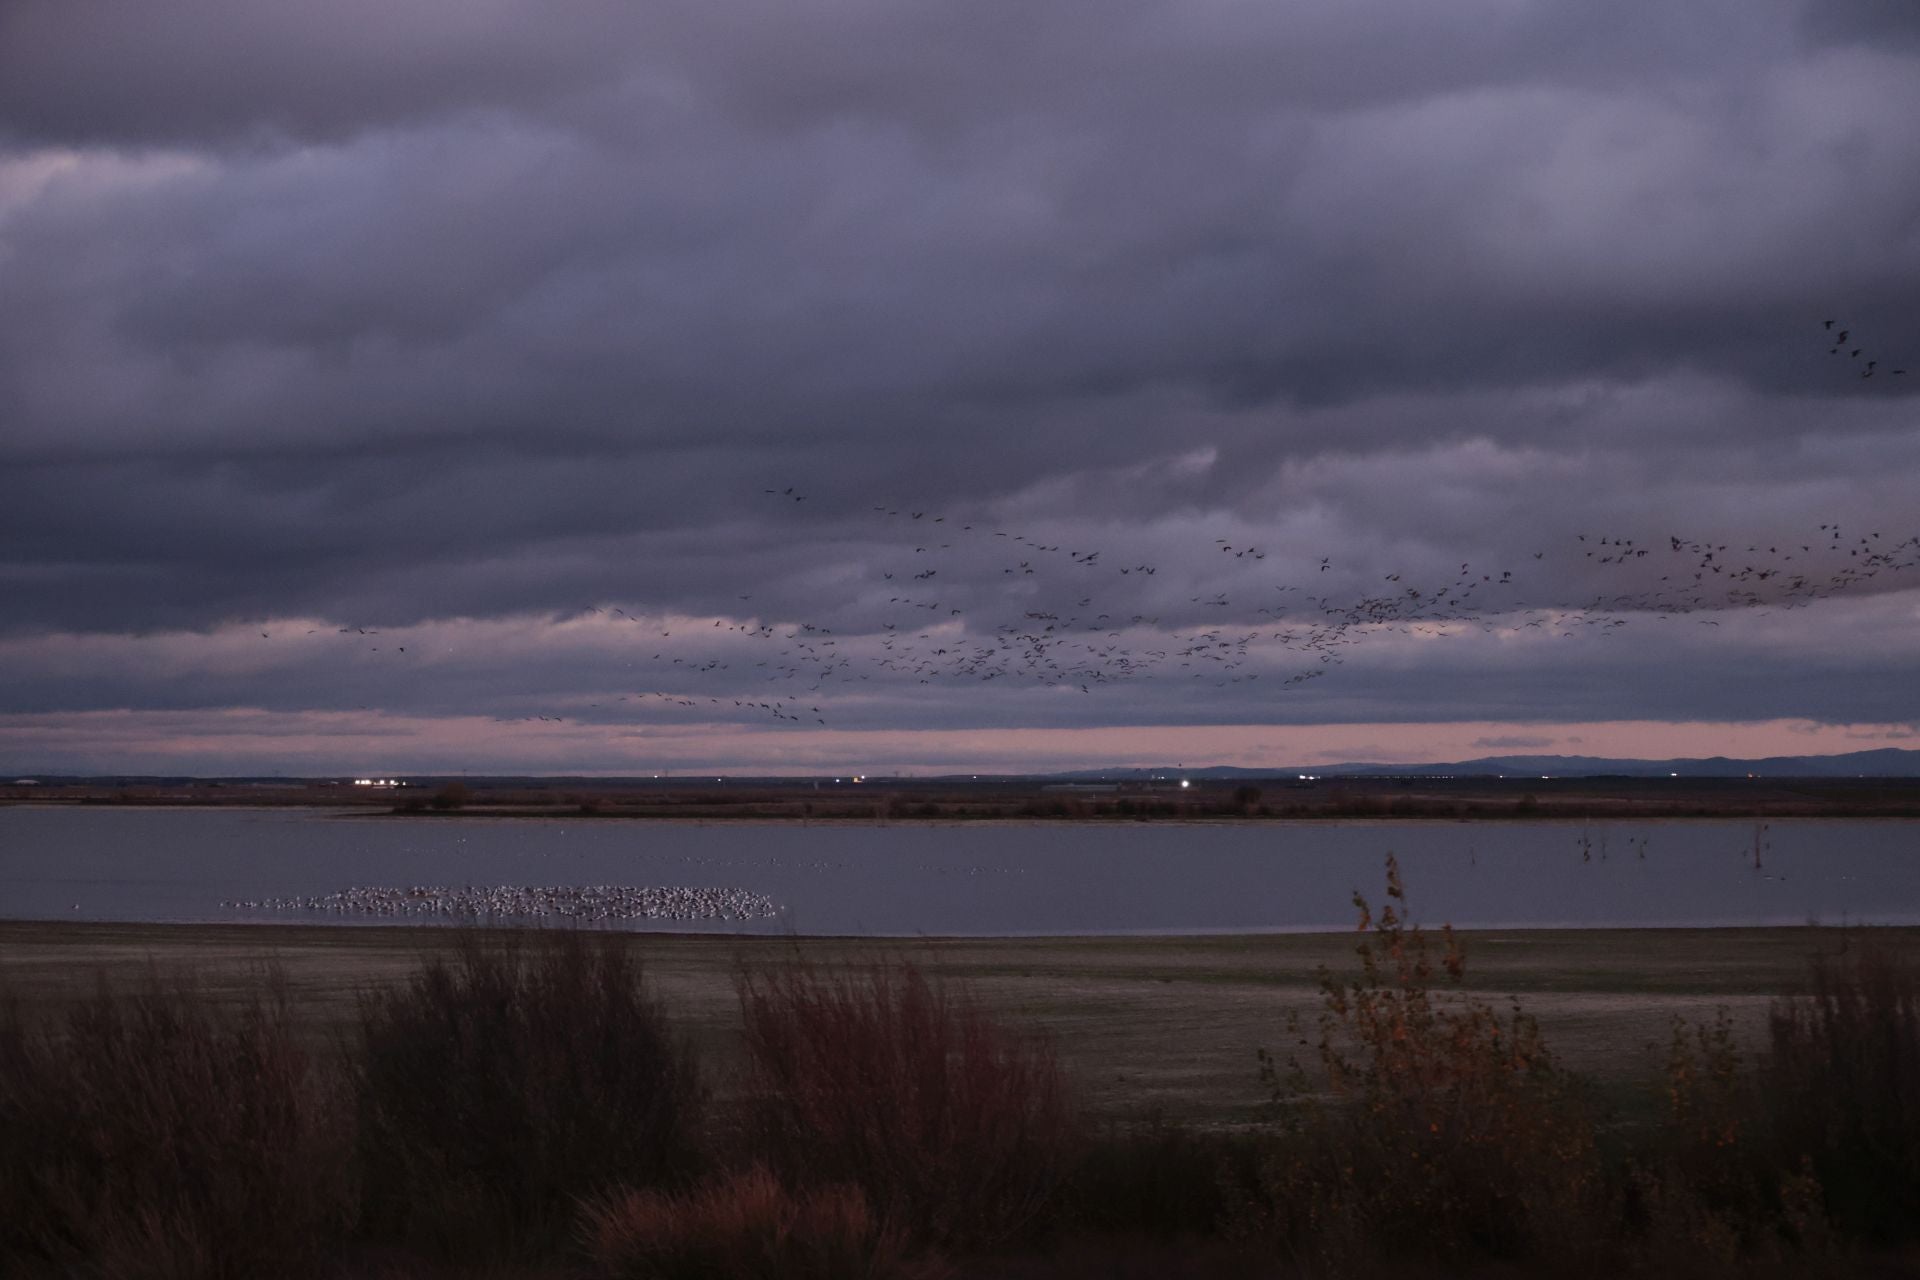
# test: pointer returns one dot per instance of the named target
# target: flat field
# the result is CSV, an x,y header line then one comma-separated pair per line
x,y
1167,1024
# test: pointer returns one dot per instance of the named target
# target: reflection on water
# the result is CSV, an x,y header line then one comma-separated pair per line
x,y
907,879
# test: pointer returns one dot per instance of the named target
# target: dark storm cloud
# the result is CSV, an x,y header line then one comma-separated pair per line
x,y
104,72
391,314
1123,215
108,72
1877,24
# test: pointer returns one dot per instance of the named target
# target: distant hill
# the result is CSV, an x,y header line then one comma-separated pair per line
x,y
1885,762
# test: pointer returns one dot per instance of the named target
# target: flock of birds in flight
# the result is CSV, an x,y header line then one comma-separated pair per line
x,y
1841,341
929,613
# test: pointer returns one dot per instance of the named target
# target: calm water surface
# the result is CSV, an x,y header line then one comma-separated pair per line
x,y
908,879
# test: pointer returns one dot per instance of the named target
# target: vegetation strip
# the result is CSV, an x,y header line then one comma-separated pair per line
x,y
534,1103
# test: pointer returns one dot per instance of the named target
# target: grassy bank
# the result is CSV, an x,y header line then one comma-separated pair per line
x,y
205,1100
1163,1023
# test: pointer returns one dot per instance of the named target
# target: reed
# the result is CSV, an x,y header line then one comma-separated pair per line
x,y
157,1132
744,1226
502,1083
1842,1086
958,1131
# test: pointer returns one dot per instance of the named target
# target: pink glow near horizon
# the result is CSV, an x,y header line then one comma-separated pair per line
x,y
251,741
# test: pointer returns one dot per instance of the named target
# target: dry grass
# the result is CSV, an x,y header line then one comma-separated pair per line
x,y
524,1101
958,1130
151,1134
1169,1024
1842,1084
745,1226
497,1087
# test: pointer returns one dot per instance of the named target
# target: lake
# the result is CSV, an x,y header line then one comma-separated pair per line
x,y
907,879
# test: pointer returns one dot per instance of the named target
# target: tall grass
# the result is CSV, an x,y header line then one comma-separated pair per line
x,y
1842,1086
957,1130
745,1226
503,1083
153,1133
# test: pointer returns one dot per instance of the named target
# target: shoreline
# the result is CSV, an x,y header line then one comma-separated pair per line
x,y
1469,932
722,818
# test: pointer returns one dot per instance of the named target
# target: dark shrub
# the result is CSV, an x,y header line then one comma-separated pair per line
x,y
499,1085
1708,1193
957,1130
1156,1180
1843,1088
1438,1128
151,1134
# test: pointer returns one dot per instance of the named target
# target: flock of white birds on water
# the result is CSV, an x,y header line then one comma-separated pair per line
x,y
578,904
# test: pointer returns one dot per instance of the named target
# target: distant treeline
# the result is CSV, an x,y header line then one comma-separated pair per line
x,y
895,800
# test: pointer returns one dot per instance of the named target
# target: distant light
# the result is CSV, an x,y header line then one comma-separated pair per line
x,y
1673,775
1184,784
1543,777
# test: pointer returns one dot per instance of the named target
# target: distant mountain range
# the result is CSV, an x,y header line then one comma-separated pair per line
x,y
1885,762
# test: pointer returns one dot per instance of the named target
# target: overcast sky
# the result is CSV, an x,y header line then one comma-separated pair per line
x,y
399,385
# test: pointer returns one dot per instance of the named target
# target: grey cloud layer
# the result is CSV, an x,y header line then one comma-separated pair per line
x,y
105,72
1681,667
387,313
